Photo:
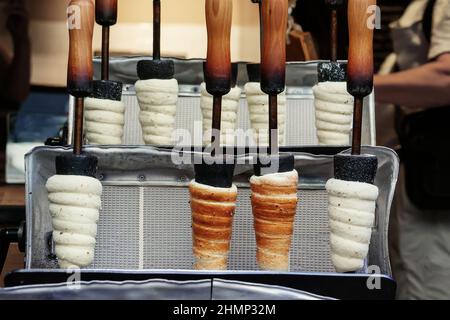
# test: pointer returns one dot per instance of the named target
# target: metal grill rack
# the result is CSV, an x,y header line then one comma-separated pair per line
x,y
300,118
144,230
146,219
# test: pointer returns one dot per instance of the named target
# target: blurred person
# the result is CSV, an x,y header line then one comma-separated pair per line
x,y
15,71
416,79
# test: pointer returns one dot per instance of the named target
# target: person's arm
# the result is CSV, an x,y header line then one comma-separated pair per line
x,y
426,86
15,84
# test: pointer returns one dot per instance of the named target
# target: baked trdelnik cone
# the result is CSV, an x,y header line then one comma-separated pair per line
x,y
212,221
274,203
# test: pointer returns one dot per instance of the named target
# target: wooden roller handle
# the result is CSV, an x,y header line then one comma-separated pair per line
x,y
273,56
81,25
218,61
106,12
360,56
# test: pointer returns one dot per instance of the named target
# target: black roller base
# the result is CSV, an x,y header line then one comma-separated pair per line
x,y
266,164
254,72
76,165
155,69
356,168
106,89
332,71
215,175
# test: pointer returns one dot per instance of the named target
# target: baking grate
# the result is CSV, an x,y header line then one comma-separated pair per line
x,y
153,231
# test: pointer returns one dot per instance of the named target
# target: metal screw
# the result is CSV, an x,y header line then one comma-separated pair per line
x,y
141,178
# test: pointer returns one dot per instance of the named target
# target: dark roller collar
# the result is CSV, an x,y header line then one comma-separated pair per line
x,y
356,168
266,164
215,175
106,89
234,73
156,69
76,165
332,71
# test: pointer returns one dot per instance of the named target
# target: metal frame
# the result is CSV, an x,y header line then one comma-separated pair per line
x,y
300,78
315,169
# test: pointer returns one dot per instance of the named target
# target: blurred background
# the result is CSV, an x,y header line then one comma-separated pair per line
x,y
183,32
34,46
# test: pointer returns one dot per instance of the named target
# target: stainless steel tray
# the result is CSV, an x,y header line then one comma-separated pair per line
x,y
145,221
157,289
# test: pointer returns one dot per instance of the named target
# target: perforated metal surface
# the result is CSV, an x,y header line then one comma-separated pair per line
x,y
300,78
145,221
150,228
118,237
300,119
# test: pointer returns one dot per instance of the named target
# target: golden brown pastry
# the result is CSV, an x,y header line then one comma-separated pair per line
x,y
274,202
212,222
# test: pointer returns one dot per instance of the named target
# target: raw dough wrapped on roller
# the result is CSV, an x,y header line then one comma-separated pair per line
x,y
274,202
351,213
258,106
158,103
334,113
74,203
230,105
212,222
104,121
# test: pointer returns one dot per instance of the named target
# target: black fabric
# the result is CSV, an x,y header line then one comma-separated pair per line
x,y
424,137
425,153
427,22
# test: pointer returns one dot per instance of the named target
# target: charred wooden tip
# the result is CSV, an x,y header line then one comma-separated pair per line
x,y
234,73
106,12
81,26
81,86
360,85
218,61
273,56
360,59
